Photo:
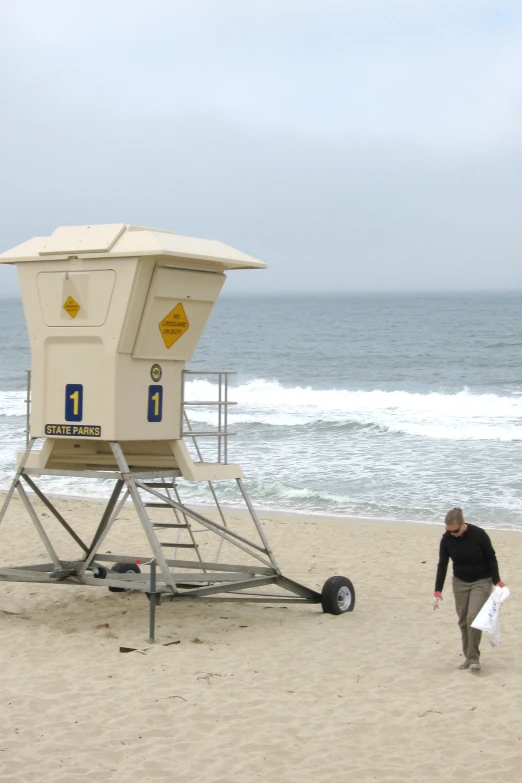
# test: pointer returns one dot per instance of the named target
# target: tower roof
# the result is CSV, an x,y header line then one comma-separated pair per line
x,y
119,240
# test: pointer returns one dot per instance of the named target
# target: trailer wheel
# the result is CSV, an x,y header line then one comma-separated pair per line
x,y
98,571
338,595
124,568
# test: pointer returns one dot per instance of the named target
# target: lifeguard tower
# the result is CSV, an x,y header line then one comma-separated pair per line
x,y
113,314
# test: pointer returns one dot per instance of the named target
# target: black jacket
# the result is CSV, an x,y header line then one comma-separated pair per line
x,y
472,554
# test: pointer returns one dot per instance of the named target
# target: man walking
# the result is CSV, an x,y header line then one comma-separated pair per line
x,y
475,570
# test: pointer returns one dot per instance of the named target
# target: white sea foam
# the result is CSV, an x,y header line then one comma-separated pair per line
x,y
458,416
12,403
434,415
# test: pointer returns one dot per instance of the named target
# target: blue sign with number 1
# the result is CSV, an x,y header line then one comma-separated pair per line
x,y
155,403
74,402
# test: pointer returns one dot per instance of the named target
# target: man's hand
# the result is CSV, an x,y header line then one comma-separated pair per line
x,y
436,598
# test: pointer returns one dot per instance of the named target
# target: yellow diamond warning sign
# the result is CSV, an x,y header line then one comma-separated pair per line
x,y
71,307
173,325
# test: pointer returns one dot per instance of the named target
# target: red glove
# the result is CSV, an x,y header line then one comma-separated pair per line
x,y
500,584
436,594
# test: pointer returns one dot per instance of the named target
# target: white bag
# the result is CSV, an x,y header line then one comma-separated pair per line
x,y
487,619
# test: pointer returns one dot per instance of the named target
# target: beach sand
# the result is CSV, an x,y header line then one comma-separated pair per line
x,y
252,691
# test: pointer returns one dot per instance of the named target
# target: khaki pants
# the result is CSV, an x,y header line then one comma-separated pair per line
x,y
470,597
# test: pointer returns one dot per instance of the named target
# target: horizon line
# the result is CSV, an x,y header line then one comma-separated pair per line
x,y
340,294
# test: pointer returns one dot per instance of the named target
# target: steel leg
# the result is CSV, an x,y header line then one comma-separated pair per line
x,y
152,603
16,479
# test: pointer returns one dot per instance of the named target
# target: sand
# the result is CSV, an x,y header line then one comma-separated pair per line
x,y
255,692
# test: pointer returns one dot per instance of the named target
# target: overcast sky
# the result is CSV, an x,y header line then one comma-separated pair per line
x,y
352,145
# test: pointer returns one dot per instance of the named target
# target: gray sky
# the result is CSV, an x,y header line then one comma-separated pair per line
x,y
352,145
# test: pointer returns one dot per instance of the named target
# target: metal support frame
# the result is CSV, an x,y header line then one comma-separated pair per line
x,y
45,500
230,536
16,480
110,514
39,527
170,578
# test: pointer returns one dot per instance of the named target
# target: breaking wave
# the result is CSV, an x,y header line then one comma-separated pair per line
x,y
434,415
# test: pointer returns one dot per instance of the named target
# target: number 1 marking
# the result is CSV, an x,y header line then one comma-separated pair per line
x,y
156,400
75,397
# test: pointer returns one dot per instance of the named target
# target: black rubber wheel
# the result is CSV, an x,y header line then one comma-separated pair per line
x,y
98,571
338,595
124,568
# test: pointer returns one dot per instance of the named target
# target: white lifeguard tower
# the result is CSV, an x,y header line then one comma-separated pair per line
x,y
113,314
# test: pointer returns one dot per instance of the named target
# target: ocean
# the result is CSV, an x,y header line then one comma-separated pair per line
x,y
379,406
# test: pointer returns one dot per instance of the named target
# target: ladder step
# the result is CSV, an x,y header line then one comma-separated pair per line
x,y
157,505
157,525
191,585
158,486
181,546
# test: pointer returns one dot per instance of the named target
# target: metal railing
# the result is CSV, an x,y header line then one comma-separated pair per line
x,y
222,403
28,409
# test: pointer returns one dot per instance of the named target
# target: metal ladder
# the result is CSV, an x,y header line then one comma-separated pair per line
x,y
221,433
182,523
